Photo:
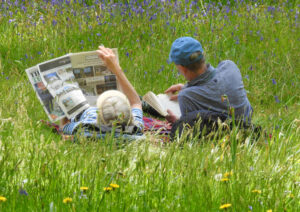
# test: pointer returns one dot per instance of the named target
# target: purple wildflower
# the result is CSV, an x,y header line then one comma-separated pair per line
x,y
98,34
54,22
276,99
23,192
127,54
274,81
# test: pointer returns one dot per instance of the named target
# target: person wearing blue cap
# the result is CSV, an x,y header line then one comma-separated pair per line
x,y
209,91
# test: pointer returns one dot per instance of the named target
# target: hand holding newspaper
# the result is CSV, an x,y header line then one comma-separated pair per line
x,y
69,84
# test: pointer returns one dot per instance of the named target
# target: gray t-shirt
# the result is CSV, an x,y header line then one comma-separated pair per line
x,y
217,89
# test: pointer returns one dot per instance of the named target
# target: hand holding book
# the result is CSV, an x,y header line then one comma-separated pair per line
x,y
171,117
162,103
173,91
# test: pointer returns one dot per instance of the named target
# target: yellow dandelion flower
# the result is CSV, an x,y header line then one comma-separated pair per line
x,y
83,188
113,185
256,191
291,196
224,179
227,174
107,188
67,200
270,210
225,206
2,199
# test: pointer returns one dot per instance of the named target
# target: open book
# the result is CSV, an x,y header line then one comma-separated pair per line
x,y
161,103
68,85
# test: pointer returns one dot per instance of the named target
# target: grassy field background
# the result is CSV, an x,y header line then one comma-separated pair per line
x,y
39,170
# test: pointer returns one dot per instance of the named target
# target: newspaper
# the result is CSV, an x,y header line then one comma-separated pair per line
x,y
91,73
58,77
68,85
50,106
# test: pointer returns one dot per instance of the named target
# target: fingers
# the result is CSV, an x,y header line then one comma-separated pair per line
x,y
174,97
106,51
170,112
170,89
171,117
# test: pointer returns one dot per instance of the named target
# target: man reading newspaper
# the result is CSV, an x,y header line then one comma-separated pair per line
x,y
95,119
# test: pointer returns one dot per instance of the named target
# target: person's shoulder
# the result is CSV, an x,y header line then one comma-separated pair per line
x,y
226,63
184,92
227,66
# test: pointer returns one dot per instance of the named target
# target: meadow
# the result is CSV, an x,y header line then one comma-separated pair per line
x,y
233,171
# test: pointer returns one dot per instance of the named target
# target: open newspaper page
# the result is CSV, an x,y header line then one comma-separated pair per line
x,y
57,75
50,106
92,75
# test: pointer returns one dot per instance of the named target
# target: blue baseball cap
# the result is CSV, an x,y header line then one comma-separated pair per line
x,y
181,50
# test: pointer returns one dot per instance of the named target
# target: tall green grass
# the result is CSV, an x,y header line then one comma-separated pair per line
x,y
38,169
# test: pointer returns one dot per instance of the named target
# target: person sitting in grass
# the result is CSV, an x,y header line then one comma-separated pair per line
x,y
113,107
210,92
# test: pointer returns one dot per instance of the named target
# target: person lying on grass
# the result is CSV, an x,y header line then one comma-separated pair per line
x,y
210,91
113,107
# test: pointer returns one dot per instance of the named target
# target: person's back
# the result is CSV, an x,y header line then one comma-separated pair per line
x,y
218,90
209,92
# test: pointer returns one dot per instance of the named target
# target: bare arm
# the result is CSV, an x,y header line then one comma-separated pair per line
x,y
112,64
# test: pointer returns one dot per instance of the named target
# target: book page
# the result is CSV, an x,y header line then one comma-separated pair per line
x,y
155,103
164,99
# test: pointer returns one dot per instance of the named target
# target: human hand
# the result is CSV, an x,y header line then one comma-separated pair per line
x,y
173,89
171,117
63,122
110,59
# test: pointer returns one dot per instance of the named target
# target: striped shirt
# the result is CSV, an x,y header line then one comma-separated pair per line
x,y
87,121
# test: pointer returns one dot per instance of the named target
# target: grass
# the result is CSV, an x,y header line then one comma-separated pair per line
x,y
39,170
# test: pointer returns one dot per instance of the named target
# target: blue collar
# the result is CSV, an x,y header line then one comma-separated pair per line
x,y
203,78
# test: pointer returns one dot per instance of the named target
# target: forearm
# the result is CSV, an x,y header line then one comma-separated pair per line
x,y
128,89
63,122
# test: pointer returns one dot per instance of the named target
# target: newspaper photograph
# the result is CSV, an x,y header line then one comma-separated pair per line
x,y
91,73
71,99
58,77
50,106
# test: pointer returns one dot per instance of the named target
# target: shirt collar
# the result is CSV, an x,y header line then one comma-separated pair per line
x,y
203,78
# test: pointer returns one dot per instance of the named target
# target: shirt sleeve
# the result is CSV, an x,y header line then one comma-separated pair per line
x,y
137,115
70,128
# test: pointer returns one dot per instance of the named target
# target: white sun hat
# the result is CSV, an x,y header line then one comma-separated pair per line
x,y
113,107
